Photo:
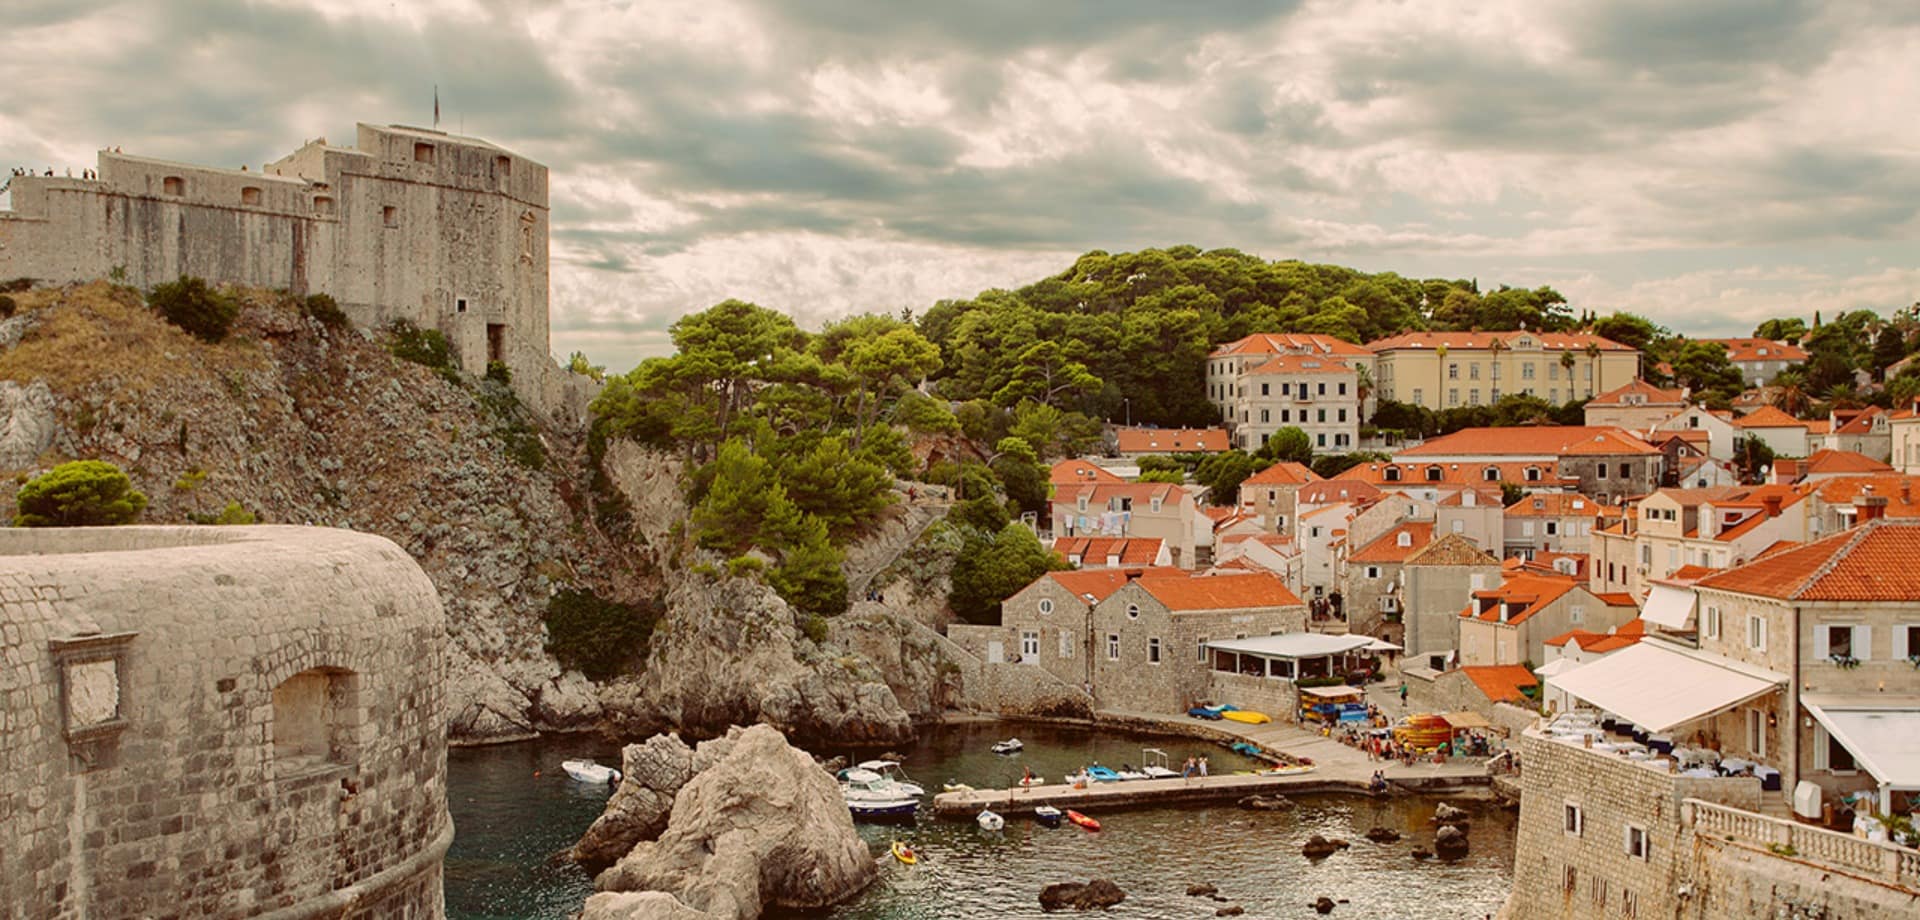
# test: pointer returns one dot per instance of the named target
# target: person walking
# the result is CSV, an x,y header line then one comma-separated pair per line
x,y
1403,693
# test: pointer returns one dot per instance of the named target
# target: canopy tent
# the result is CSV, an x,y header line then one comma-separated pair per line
x,y
1668,606
1333,694
1884,741
1382,645
1289,656
1657,686
1465,720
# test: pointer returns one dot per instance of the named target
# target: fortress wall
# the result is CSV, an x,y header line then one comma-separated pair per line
x,y
219,722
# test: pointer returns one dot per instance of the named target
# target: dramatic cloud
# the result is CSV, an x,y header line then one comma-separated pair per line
x,y
1707,163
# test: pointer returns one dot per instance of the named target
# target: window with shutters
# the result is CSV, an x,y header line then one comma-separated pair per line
x,y
1638,846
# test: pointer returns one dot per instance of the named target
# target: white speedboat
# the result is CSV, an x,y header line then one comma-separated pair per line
x,y
1031,780
1009,746
989,821
868,786
1156,764
1127,772
1047,815
587,771
891,770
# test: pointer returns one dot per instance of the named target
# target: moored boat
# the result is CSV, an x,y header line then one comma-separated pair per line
x,y
892,771
1030,780
1155,764
587,771
1082,820
1047,815
882,809
1247,715
956,787
1100,774
989,821
1009,746
1127,772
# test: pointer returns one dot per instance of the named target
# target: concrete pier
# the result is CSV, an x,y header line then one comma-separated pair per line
x,y
1157,792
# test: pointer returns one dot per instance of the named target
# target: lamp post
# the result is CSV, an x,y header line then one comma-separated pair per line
x,y
1128,405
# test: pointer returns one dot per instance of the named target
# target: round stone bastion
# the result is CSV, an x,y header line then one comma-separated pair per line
x,y
220,722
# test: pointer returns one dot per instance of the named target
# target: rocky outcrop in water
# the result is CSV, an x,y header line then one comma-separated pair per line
x,y
1450,842
759,825
1098,894
1318,847
651,775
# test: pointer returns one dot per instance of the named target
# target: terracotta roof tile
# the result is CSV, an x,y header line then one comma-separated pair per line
x,y
1097,550
1300,364
1171,440
1467,341
1748,349
1553,504
1452,549
1101,492
1502,682
1219,592
1877,561
1531,440
1327,491
1768,417
1649,394
1388,547
1842,461
1284,473
1270,343
1100,583
1076,471
1530,591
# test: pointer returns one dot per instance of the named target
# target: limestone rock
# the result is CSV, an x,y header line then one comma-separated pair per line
x,y
1323,904
1318,847
651,774
1445,813
1202,890
567,701
1422,853
1098,894
762,827
1450,841
1266,803
1233,910
639,905
1383,835
27,423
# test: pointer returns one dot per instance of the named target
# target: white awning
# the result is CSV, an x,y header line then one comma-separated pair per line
x,y
1382,645
1885,741
1658,686
1293,645
1668,606
1556,667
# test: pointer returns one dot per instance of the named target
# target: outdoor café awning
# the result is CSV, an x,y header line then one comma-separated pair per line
x,y
1466,720
1382,645
1668,606
1885,741
1333,694
1657,686
1556,667
1293,645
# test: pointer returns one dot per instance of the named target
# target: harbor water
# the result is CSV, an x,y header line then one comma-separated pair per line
x,y
511,824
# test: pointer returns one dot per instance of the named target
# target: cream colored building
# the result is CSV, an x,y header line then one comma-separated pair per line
x,y
1510,624
1263,383
1444,370
1903,430
1435,583
1714,528
1637,407
1134,509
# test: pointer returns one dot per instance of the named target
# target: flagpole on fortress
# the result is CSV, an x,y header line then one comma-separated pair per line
x,y
436,107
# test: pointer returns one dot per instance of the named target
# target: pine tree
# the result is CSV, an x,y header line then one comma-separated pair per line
x,y
736,503
809,575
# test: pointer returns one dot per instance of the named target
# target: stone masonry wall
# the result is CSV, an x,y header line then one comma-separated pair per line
x,y
169,786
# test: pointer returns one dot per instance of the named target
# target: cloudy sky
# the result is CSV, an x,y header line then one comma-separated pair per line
x,y
1707,163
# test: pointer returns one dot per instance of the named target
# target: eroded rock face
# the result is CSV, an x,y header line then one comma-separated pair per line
x,y
27,423
728,653
651,774
639,905
761,826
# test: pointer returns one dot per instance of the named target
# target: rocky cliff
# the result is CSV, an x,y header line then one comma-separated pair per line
x,y
291,421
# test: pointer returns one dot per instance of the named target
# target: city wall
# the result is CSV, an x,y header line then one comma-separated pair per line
x,y
221,723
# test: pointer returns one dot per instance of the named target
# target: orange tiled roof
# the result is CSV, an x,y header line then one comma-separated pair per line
x,y
1877,561
1553,504
1649,394
1859,421
1532,440
1099,493
1300,364
1097,550
1284,473
1388,549
1468,341
1396,475
1076,471
1901,492
1219,592
1502,682
1617,599
1271,343
1100,583
1534,590
1842,461
1748,349
1819,426
1171,440
1768,417
1327,491
1629,633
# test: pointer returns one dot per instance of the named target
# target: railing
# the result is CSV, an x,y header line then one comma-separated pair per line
x,y
1883,862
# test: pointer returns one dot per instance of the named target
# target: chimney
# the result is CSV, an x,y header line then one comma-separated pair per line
x,y
1906,490
1869,508
1771,502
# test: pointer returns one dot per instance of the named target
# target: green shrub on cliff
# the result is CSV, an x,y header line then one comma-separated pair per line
x,y
809,576
597,636
325,309
84,493
190,304
425,347
989,570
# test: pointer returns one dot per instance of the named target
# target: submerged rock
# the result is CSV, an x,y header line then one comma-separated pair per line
x,y
1230,911
1422,853
1323,904
1450,841
1098,894
1266,803
1383,835
758,826
1318,847
1445,813
1202,890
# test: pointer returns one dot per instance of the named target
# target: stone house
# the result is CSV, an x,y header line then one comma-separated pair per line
x,y
1371,590
1602,463
1134,509
1760,360
1638,406
1049,622
1718,427
1445,370
220,722
1150,636
1861,431
1272,494
1714,528
1435,583
1838,504
1237,392
1785,435
1511,623
1548,522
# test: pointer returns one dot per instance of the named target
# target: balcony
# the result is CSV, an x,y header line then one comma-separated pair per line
x,y
1881,862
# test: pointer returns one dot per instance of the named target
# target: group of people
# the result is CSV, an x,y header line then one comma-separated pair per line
x,y
28,171
1195,766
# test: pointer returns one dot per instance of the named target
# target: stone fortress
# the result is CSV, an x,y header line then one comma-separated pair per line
x,y
446,232
219,723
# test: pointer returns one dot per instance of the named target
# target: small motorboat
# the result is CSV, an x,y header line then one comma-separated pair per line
x,y
1205,712
1082,820
1047,815
882,809
1100,774
1155,761
1242,747
1127,772
1077,780
989,821
1246,715
891,770
1030,780
587,771
1009,746
905,853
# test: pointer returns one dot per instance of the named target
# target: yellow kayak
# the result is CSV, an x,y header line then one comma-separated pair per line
x,y
904,853
1246,715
